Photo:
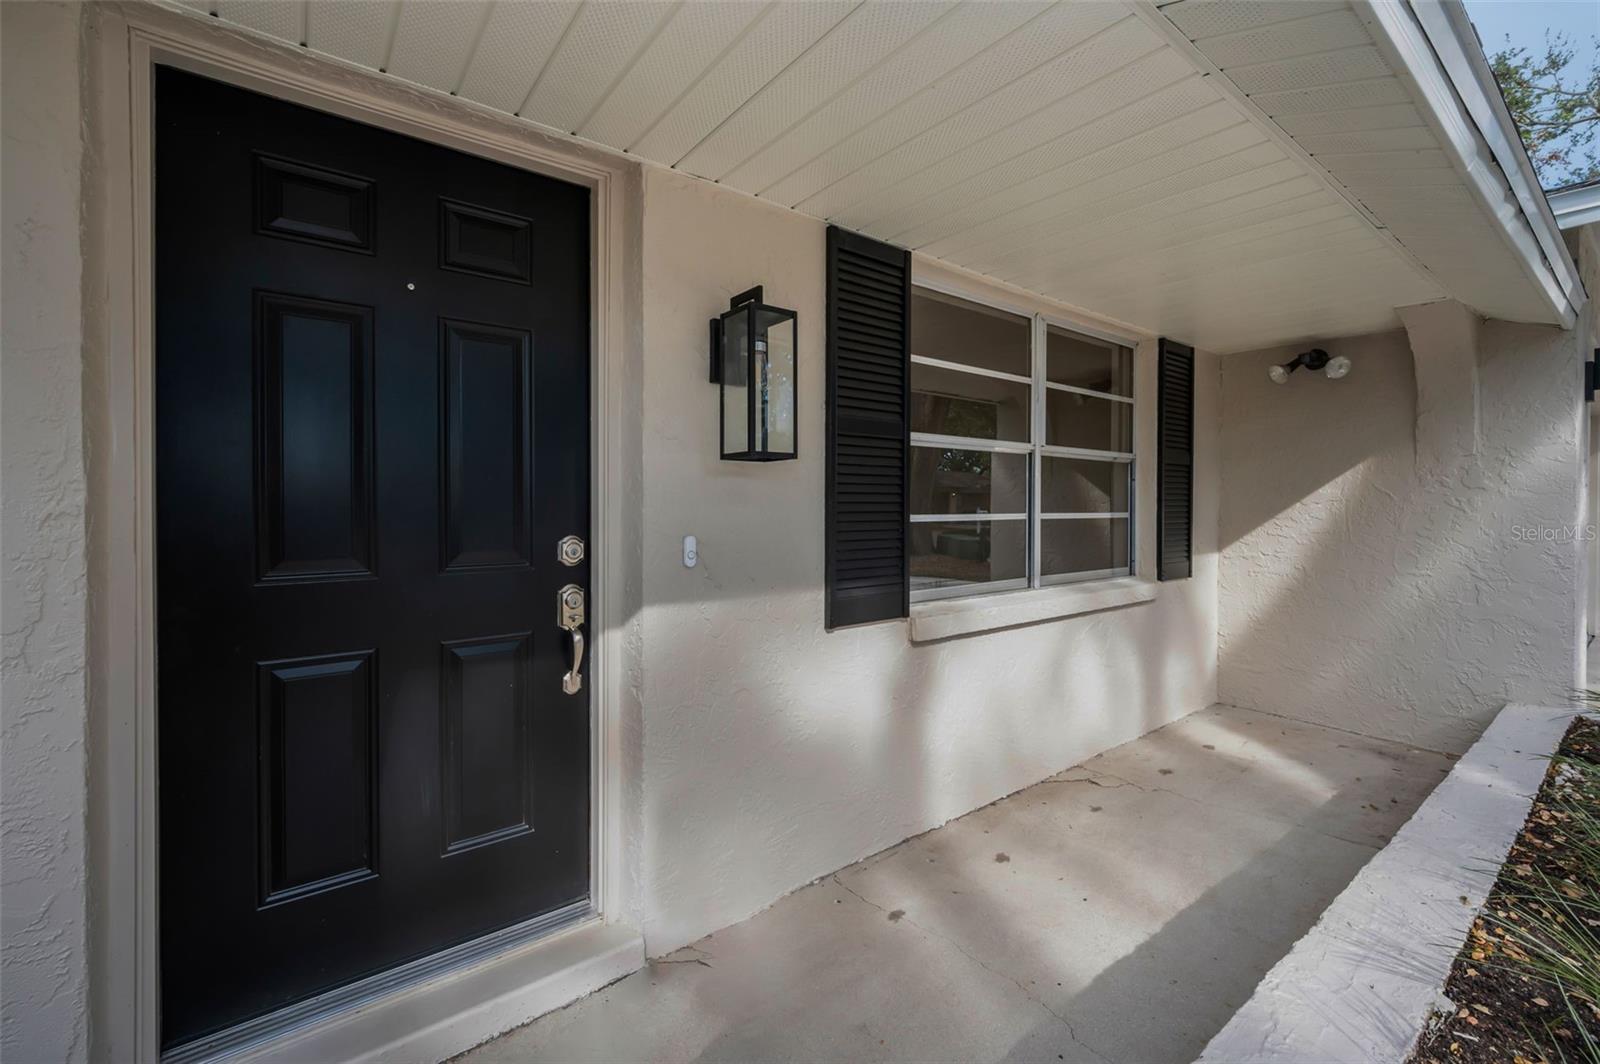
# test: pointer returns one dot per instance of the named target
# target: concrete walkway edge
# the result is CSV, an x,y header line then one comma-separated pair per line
x,y
1362,982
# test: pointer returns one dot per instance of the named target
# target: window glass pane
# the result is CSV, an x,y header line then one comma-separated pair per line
x,y
957,331
1083,546
777,387
735,384
1073,419
967,553
1085,362
1082,486
946,481
949,402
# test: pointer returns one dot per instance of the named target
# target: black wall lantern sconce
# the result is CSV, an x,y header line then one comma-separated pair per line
x,y
753,359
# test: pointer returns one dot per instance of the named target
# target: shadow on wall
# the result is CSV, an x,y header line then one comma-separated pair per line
x,y
776,752
778,759
1358,592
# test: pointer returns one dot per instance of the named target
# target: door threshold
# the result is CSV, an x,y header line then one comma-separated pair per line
x,y
442,1004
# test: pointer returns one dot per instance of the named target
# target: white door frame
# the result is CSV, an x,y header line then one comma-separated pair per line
x,y
124,45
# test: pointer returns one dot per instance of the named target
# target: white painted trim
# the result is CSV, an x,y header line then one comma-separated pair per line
x,y
1090,516
945,277
956,290
1043,315
961,519
1051,450
1574,207
959,367
1408,35
981,613
1456,45
1037,336
968,443
126,43
967,590
1053,386
1086,576
1068,325
439,1018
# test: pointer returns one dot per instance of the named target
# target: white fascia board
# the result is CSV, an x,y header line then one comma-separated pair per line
x,y
1576,206
1488,108
1435,49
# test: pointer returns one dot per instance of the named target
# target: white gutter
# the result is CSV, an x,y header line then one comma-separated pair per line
x,y
1441,54
1576,206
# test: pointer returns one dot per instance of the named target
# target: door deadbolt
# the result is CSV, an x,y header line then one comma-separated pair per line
x,y
570,550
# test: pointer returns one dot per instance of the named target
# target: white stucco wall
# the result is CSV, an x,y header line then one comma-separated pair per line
x,y
1410,599
43,963
776,752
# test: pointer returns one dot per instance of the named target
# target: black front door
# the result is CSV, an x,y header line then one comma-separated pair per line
x,y
372,432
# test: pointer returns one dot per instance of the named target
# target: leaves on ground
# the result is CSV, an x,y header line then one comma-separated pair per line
x,y
1527,980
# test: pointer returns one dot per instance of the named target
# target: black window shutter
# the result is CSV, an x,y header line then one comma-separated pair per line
x,y
1175,461
869,385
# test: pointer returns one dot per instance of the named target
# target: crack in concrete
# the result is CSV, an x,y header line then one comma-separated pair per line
x,y
1092,781
959,948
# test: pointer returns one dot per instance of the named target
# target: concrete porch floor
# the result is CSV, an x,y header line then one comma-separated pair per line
x,y
1118,911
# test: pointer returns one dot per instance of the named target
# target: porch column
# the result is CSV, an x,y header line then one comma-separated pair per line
x,y
1444,354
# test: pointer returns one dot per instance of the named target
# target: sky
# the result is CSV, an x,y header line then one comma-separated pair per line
x,y
1525,22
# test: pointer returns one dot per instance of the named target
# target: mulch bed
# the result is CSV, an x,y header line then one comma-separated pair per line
x,y
1504,1014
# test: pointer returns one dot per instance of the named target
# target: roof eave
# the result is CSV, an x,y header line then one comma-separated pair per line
x,y
1437,49
1574,207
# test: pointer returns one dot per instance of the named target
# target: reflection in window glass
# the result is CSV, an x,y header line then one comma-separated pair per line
x,y
1073,419
957,554
1085,547
777,387
1083,485
981,391
954,330
1084,362
947,402
947,481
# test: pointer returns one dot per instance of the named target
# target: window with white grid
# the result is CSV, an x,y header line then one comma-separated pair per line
x,y
1021,462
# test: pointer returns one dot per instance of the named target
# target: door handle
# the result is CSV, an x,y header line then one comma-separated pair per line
x,y
570,617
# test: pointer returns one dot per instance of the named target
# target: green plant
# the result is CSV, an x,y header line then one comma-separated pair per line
x,y
1556,107
1546,927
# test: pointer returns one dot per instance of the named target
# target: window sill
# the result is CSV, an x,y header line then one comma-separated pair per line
x,y
945,619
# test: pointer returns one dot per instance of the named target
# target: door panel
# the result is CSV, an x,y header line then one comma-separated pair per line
x,y
485,411
315,445
372,376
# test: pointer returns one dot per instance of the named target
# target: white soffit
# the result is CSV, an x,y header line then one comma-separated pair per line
x,y
1394,100
1085,149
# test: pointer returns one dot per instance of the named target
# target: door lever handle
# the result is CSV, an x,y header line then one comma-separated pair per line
x,y
572,682
570,617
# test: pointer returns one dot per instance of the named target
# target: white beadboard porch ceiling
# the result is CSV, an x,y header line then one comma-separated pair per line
x,y
1233,173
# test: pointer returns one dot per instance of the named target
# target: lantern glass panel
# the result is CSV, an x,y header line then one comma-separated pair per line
x,y
736,382
776,414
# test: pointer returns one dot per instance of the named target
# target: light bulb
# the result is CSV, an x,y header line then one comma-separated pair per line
x,y
1278,375
1338,366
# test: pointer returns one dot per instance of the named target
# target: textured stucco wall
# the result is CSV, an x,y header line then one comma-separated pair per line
x,y
1364,589
776,752
43,964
